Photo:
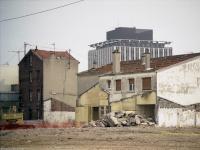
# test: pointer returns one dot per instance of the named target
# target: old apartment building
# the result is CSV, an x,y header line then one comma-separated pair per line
x,y
47,79
136,85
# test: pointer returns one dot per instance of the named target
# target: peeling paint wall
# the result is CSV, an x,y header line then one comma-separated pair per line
x,y
93,97
174,115
125,93
56,116
177,117
60,80
180,83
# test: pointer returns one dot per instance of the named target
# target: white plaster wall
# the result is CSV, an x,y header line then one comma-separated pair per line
x,y
177,117
180,83
8,76
58,116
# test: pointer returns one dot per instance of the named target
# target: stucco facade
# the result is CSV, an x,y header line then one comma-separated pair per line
x,y
180,86
92,104
60,80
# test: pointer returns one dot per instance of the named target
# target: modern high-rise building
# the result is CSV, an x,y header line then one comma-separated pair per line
x,y
131,43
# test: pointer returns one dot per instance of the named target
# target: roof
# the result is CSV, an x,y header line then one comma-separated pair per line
x,y
137,67
46,54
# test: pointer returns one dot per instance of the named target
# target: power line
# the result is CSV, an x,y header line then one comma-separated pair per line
x,y
8,19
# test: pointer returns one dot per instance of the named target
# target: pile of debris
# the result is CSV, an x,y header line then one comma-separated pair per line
x,y
120,119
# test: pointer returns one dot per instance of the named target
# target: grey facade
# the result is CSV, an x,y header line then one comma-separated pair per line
x,y
129,50
130,33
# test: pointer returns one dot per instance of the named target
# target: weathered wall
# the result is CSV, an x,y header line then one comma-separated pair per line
x,y
125,93
173,115
180,83
8,76
93,97
83,114
60,80
33,109
56,117
130,104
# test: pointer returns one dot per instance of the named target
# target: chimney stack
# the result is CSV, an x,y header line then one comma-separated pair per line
x,y
146,60
116,61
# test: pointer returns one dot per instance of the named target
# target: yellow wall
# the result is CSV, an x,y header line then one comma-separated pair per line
x,y
146,99
83,114
94,97
124,105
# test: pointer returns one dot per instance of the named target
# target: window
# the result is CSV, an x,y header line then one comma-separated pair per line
x,y
156,53
38,95
118,85
30,95
31,60
30,76
38,74
146,83
131,84
109,84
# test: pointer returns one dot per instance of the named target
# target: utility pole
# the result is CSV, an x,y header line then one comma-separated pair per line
x,y
25,44
18,53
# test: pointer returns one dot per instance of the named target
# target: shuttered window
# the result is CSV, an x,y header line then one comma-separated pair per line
x,y
146,83
118,85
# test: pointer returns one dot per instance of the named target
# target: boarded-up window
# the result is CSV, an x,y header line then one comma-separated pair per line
x,y
146,83
131,84
118,85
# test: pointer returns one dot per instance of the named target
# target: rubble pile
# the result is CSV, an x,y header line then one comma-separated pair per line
x,y
121,119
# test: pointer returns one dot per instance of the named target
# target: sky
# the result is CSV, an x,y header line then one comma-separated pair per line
x,y
79,25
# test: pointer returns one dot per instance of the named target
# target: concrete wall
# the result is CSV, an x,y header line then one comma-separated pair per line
x,y
171,114
8,76
93,97
125,93
56,117
83,114
60,80
180,83
130,104
178,117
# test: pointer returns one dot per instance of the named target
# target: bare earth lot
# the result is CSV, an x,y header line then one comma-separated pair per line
x,y
101,138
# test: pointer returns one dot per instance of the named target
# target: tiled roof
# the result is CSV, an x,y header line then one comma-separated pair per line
x,y
46,54
136,65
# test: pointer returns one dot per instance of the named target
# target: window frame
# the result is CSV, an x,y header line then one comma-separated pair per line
x,y
118,88
144,85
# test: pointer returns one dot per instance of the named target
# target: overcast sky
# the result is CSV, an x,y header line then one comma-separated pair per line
x,y
77,26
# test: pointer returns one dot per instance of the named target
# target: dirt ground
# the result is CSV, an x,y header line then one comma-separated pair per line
x,y
148,138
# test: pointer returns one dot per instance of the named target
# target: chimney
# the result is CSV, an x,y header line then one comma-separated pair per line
x,y
116,61
146,60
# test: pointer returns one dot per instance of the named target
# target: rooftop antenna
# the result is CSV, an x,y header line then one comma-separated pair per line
x,y
54,46
25,45
18,53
